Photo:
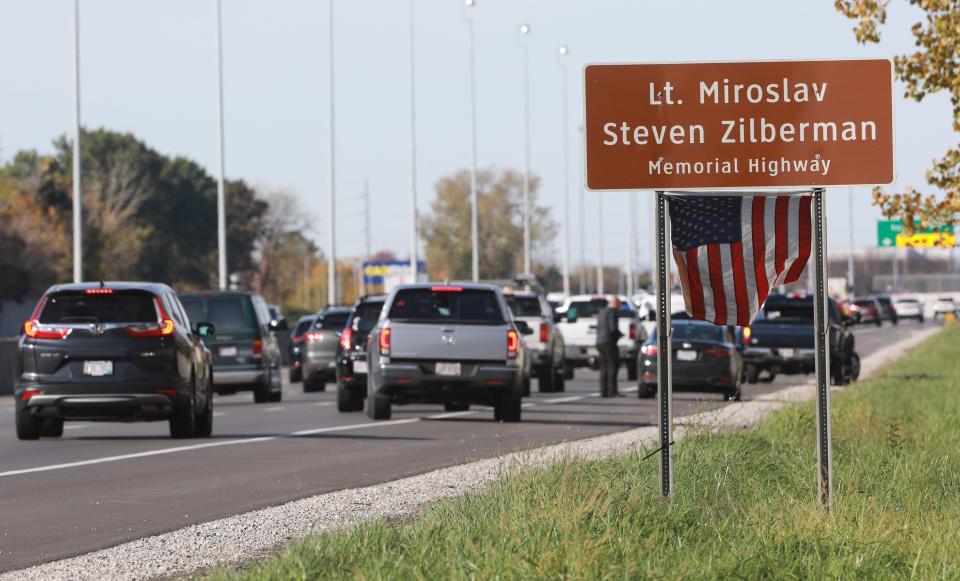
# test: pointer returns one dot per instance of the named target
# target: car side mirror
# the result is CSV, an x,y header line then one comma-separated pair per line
x,y
206,329
572,315
523,327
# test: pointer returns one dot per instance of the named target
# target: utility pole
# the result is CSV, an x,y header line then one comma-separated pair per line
x,y
474,218
850,269
631,247
332,210
524,31
566,176
413,150
77,186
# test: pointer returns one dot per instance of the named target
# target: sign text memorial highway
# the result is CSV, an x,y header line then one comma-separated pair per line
x,y
739,124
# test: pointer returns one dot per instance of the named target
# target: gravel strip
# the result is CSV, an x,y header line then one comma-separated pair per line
x,y
240,538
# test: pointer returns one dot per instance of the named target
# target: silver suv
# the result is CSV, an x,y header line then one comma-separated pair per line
x,y
545,346
451,344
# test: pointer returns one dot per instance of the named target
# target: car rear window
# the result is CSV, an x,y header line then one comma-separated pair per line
x,y
227,313
789,309
108,308
369,312
906,301
446,306
333,321
689,331
592,307
524,306
864,303
302,327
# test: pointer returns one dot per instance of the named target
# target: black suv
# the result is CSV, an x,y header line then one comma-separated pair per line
x,y
245,351
352,353
295,346
118,351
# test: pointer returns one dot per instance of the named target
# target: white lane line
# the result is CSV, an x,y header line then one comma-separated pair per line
x,y
75,427
563,399
203,446
219,414
278,408
322,403
451,415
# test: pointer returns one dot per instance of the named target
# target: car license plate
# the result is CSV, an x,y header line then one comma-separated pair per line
x,y
98,368
787,353
359,366
228,351
448,369
685,355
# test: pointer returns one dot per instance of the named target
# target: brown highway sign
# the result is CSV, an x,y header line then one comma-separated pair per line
x,y
768,124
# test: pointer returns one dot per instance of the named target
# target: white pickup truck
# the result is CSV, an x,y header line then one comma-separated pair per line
x,y
578,323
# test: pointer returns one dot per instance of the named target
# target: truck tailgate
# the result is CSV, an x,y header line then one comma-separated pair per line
x,y
770,334
452,342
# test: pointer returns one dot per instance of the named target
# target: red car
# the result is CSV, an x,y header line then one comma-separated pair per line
x,y
867,311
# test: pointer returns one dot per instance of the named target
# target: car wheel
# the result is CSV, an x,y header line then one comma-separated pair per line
x,y
507,409
295,375
456,407
547,380
346,400
854,367
261,392
183,421
878,322
560,381
632,369
526,386
378,407
920,320
567,372
51,428
203,424
28,427
276,393
769,378
313,384
751,373
647,390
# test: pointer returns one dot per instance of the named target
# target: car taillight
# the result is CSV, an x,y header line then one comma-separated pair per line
x,y
162,328
385,337
633,331
513,344
99,291
30,392
35,330
746,334
346,339
718,352
544,332
258,346
649,350
313,337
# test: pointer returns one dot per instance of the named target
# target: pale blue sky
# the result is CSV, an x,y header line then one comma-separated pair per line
x,y
149,68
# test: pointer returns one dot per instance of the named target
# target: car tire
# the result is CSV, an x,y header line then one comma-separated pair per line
x,y
751,373
647,390
632,374
51,428
507,409
526,386
314,384
346,400
378,407
456,407
183,420
547,380
28,427
560,381
568,372
295,375
854,371
878,322
203,424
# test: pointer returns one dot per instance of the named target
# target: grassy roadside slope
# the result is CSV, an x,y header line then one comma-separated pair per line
x,y
745,503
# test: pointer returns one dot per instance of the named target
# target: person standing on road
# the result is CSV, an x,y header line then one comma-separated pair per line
x,y
608,333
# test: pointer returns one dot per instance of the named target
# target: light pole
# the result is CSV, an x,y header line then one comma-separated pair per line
x,y
631,247
474,235
77,186
850,270
524,31
332,211
413,150
564,50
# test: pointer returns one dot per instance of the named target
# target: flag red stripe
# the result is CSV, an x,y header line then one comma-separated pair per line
x,y
759,249
782,223
684,278
804,215
740,284
715,268
696,290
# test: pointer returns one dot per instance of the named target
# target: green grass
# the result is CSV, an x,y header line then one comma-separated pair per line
x,y
744,507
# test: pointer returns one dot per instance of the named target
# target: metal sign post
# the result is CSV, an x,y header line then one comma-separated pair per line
x,y
822,343
664,352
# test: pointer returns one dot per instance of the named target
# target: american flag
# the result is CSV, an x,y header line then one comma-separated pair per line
x,y
731,250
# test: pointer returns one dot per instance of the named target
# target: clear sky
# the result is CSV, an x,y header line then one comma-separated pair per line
x,y
149,67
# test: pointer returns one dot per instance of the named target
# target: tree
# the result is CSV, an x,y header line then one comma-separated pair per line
x,y
446,230
934,67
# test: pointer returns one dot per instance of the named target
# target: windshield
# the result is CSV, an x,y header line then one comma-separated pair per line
x,y
110,308
446,306
592,307
692,331
301,327
333,321
227,313
368,312
524,306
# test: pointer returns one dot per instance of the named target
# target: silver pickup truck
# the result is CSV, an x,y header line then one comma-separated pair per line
x,y
447,344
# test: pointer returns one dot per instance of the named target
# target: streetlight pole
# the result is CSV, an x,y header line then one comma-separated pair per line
x,y
413,150
332,211
566,175
524,31
474,234
850,269
631,247
77,186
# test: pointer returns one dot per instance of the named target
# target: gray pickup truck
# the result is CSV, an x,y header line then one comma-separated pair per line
x,y
447,344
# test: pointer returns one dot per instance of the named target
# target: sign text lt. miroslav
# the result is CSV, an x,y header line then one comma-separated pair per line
x,y
766,124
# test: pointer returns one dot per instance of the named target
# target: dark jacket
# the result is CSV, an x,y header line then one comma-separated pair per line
x,y
608,327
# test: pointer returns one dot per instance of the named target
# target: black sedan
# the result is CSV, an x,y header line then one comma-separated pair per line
x,y
705,358
112,352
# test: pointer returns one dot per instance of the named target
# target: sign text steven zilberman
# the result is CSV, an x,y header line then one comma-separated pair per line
x,y
715,125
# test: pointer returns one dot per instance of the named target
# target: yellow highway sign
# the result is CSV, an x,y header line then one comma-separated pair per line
x,y
927,240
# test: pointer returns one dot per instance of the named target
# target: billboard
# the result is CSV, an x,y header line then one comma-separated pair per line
x,y
386,274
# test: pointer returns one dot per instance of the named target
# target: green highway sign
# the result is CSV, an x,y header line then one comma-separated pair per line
x,y
890,235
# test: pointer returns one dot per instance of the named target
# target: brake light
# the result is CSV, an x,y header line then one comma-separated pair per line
x,y
99,291
544,332
162,328
718,352
386,334
258,346
649,350
313,337
633,331
513,344
747,333
28,393
35,330
346,339
446,289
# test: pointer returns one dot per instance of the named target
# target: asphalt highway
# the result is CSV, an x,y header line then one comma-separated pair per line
x,y
104,484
